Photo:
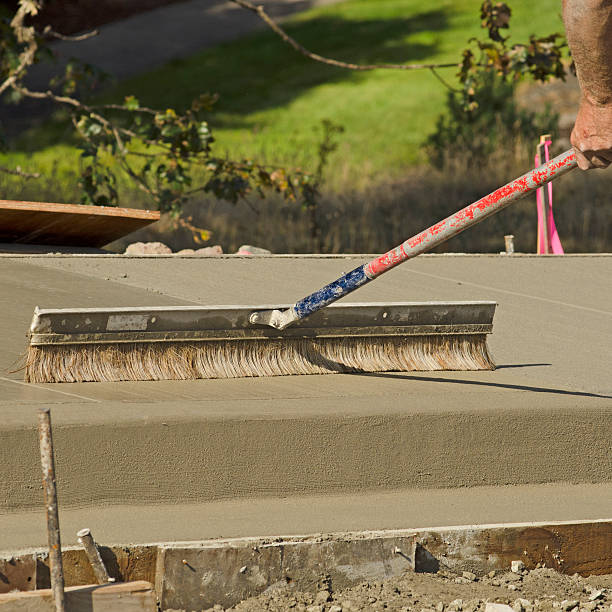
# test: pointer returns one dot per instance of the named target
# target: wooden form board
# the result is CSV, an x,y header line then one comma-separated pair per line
x,y
177,569
68,224
120,597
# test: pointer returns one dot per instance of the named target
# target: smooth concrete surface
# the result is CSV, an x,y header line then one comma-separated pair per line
x,y
299,515
544,416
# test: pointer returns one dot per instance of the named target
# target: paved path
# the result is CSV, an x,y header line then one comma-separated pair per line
x,y
148,40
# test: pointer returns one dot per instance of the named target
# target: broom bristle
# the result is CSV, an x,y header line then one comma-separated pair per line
x,y
242,358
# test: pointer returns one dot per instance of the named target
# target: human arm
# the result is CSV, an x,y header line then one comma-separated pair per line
x,y
588,24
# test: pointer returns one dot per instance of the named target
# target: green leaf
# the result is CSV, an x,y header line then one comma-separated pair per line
x,y
131,103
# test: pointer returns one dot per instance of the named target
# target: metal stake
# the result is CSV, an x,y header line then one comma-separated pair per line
x,y
53,532
544,192
93,554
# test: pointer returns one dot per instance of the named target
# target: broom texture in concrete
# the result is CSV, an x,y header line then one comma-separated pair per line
x,y
531,439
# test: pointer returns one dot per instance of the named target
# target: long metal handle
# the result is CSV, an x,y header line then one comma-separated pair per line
x,y
422,242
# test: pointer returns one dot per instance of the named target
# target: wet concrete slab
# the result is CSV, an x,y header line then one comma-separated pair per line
x,y
297,515
544,416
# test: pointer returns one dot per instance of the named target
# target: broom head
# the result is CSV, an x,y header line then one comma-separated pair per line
x,y
185,342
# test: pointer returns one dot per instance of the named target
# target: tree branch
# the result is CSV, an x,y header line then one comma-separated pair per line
x,y
53,34
261,13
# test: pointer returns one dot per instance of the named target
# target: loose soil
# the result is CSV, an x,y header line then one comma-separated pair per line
x,y
541,589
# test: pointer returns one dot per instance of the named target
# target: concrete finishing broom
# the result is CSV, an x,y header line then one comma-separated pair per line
x,y
235,341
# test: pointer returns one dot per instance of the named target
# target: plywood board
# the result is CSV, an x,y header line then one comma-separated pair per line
x,y
120,597
68,224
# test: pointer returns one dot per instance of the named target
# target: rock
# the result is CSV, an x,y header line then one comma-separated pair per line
x,y
521,605
469,576
569,604
511,587
497,607
186,252
471,606
348,605
491,574
148,248
440,606
456,604
511,577
517,566
322,597
210,250
334,608
596,595
462,580
314,608
248,249
589,606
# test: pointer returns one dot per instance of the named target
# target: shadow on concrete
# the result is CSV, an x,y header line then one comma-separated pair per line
x,y
521,365
479,383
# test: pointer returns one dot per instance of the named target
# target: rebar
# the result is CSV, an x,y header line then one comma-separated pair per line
x,y
45,439
93,555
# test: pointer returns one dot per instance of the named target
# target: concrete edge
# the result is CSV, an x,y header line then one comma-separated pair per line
x,y
289,256
237,568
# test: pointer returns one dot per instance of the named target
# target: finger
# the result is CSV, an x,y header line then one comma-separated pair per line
x,y
582,160
596,160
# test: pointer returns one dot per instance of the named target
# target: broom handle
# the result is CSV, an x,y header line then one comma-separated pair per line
x,y
437,234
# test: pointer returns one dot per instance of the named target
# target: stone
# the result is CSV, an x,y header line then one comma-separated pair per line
x,y
186,252
471,606
440,606
517,566
456,604
469,576
334,608
314,608
596,595
248,249
521,605
491,574
210,250
589,606
511,587
148,248
512,577
569,604
497,607
322,597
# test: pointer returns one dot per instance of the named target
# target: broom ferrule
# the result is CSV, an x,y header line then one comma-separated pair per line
x,y
279,319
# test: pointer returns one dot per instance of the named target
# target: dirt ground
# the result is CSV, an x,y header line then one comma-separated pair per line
x,y
541,589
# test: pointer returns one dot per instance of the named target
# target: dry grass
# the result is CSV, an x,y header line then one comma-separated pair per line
x,y
382,215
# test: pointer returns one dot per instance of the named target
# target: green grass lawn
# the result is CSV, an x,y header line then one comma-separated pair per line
x,y
272,99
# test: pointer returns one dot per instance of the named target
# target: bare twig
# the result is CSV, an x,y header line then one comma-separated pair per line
x,y
17,171
443,81
140,109
261,13
76,38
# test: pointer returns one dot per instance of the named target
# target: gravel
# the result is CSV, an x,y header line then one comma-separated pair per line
x,y
538,590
